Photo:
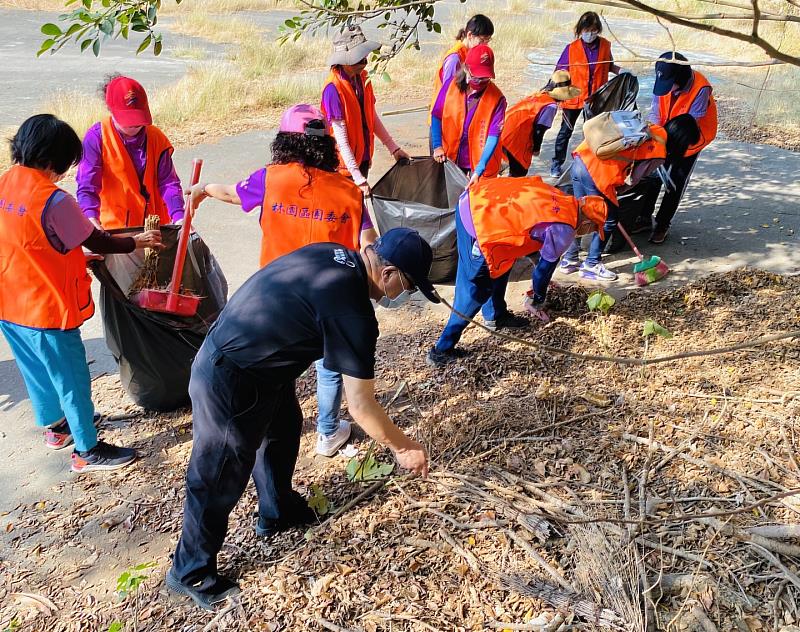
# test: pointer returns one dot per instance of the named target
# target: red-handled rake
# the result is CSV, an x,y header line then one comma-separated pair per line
x,y
171,301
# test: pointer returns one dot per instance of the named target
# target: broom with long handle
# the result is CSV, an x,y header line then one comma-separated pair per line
x,y
648,270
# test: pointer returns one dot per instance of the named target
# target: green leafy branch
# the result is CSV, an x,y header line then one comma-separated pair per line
x,y
95,21
600,301
130,580
368,468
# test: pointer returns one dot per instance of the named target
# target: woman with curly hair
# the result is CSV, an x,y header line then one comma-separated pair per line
x,y
304,199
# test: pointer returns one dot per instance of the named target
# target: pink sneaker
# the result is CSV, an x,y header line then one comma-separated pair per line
x,y
58,437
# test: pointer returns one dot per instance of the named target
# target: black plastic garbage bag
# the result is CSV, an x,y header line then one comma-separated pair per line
x,y
422,194
155,350
617,94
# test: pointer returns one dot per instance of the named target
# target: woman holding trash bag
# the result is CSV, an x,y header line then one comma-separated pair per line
x,y
348,103
527,122
466,122
126,172
500,220
612,176
680,90
588,60
304,200
45,290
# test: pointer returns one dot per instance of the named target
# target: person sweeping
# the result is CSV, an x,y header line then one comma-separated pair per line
x,y
303,199
501,220
127,172
527,122
679,90
588,60
348,103
45,290
311,303
466,122
612,176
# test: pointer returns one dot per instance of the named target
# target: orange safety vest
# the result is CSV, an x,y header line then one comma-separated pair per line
x,y
455,112
505,210
611,173
579,71
122,203
305,205
354,116
460,49
517,136
670,107
39,286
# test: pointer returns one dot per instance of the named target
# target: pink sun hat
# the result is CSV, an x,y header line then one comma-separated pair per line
x,y
298,119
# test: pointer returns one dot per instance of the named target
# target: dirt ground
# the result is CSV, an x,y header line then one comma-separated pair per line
x,y
529,449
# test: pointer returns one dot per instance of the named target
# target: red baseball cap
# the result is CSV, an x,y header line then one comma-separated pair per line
x,y
127,102
480,62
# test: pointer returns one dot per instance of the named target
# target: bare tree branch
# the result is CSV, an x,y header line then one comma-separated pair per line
x,y
748,38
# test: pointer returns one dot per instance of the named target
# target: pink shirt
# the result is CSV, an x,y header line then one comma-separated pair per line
x,y
65,226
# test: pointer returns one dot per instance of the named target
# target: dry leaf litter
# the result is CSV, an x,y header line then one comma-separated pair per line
x,y
563,495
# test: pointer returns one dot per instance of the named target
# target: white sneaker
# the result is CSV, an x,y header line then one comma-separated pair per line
x,y
597,272
328,445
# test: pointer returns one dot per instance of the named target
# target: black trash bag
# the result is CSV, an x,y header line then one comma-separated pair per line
x,y
617,94
155,350
636,208
422,194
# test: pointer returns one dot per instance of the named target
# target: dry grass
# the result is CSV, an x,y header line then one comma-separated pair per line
x,y
170,7
216,29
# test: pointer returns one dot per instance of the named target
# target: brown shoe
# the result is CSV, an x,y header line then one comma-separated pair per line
x,y
658,236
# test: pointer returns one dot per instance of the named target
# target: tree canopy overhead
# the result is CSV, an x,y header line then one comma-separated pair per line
x,y
87,23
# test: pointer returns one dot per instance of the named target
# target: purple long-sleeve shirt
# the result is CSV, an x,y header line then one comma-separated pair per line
x,y
472,99
251,194
450,66
90,172
698,108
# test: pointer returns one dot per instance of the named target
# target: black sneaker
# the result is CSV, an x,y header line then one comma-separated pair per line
x,y
205,593
440,358
296,514
507,321
103,456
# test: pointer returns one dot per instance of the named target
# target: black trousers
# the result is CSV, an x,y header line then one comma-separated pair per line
x,y
681,172
515,168
568,119
243,425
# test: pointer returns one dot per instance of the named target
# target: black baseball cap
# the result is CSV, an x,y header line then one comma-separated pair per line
x,y
405,249
668,74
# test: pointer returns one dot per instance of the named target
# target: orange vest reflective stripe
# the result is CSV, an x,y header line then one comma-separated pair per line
x,y
517,136
460,49
609,174
505,210
669,108
39,287
579,71
455,112
297,212
353,121
121,201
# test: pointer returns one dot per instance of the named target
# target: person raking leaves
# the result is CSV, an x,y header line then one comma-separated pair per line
x,y
311,303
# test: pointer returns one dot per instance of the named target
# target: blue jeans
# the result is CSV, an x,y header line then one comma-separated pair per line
x,y
53,365
582,184
474,288
329,399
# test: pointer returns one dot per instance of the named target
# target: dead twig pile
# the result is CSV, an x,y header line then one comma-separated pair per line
x,y
564,495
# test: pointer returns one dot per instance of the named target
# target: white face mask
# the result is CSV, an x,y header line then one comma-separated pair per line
x,y
396,302
588,36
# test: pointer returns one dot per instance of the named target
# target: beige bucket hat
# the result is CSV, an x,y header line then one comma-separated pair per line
x,y
560,86
350,47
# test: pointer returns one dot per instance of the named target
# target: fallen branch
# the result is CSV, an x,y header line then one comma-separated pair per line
x,y
335,628
776,530
783,548
543,563
795,581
